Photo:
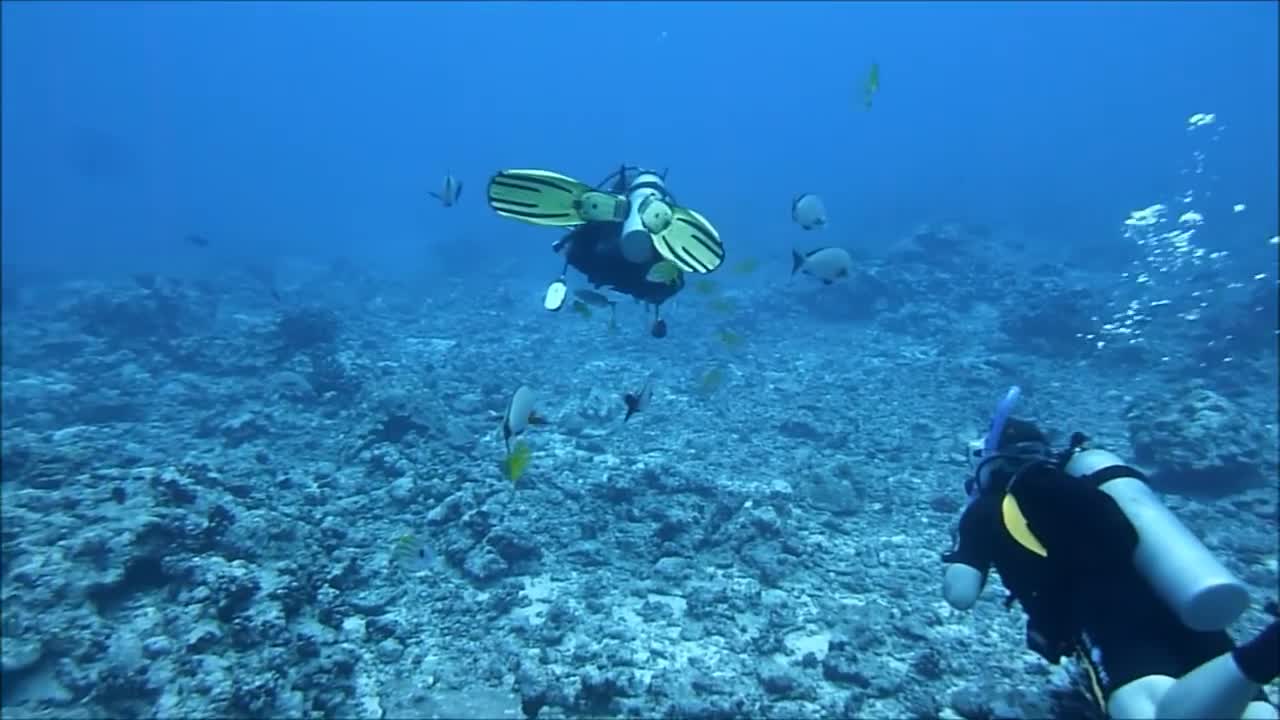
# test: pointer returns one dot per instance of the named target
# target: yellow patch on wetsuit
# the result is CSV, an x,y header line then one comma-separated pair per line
x,y
1016,524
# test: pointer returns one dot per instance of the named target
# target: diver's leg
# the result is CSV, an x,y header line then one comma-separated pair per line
x,y
1137,700
1259,710
1227,685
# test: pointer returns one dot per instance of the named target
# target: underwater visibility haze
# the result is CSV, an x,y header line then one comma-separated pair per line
x,y
564,359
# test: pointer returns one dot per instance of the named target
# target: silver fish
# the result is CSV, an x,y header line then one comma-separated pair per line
x,y
591,297
412,554
826,264
449,192
808,211
520,414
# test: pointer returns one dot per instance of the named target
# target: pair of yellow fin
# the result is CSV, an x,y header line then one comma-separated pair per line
x,y
542,197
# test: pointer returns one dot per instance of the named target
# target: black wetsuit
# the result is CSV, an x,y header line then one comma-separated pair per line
x,y
1084,598
595,250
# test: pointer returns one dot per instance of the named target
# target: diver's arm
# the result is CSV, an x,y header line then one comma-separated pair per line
x,y
1228,686
966,567
961,585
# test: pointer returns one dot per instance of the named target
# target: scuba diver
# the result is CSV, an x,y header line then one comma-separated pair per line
x,y
1106,575
631,237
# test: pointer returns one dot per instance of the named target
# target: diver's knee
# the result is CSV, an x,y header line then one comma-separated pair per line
x,y
1139,699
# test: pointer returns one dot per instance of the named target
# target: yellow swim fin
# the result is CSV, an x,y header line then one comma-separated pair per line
x,y
542,197
690,242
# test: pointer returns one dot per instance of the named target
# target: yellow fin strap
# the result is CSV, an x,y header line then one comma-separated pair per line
x,y
1017,526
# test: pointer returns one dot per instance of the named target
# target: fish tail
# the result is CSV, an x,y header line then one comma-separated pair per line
x,y
797,261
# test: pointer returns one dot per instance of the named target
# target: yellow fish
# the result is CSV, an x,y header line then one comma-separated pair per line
x,y
722,305
872,85
730,338
706,287
664,272
711,381
514,464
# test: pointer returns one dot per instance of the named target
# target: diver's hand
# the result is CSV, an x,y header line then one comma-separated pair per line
x,y
961,585
1259,658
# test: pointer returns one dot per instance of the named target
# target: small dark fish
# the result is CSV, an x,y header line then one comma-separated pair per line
x,y
591,297
638,401
197,240
450,191
145,280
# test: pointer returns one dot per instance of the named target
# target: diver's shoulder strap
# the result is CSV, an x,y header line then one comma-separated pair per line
x,y
1113,472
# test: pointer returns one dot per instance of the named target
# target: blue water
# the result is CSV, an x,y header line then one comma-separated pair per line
x,y
297,127
302,140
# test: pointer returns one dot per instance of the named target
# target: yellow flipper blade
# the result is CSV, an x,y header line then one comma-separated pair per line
x,y
691,242
539,197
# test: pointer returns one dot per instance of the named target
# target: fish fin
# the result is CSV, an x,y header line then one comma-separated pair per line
x,y
632,401
536,419
435,195
457,191
797,261
690,243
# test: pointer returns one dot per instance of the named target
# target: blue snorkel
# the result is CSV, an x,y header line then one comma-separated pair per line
x,y
998,419
988,452
991,442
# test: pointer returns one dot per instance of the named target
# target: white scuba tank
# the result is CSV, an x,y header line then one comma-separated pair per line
x,y
648,212
1194,584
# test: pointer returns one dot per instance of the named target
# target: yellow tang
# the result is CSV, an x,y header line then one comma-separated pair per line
x,y
872,85
663,271
513,466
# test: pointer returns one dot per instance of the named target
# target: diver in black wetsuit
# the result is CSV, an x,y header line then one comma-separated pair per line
x,y
631,236
1109,577
595,249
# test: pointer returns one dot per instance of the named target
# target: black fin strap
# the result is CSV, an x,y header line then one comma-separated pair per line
x,y
1115,472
